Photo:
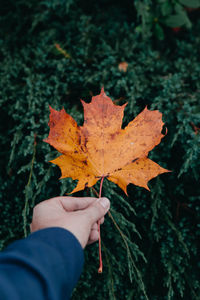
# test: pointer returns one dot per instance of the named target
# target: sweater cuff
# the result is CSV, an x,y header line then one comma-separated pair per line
x,y
70,264
51,235
63,240
49,261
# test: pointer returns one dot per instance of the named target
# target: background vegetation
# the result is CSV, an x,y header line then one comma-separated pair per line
x,y
154,254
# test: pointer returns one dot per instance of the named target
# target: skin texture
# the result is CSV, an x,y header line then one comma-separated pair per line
x,y
78,215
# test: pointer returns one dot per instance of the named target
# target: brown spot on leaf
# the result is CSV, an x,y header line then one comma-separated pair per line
x,y
134,160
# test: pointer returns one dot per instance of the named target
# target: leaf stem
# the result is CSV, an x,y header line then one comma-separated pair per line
x,y
100,270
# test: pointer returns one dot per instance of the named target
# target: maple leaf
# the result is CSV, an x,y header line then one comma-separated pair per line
x,y
102,149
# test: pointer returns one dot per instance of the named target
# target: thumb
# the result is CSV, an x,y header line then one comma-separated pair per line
x,y
98,209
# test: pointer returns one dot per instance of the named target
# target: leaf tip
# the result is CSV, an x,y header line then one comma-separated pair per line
x,y
102,91
51,108
124,188
45,140
82,102
147,188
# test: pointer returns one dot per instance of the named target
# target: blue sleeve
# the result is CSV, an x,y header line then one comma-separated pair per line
x,y
45,265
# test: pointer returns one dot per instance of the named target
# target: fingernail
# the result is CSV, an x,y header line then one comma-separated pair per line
x,y
104,202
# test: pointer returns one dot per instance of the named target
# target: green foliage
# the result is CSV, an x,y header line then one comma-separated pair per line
x,y
156,16
150,247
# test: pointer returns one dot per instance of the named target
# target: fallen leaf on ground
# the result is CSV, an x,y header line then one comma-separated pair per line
x,y
123,66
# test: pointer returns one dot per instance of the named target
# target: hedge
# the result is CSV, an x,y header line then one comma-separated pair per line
x,y
56,52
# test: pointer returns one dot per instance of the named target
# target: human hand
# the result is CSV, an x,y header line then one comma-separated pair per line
x,y
78,215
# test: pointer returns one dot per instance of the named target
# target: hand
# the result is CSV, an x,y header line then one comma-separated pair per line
x,y
78,215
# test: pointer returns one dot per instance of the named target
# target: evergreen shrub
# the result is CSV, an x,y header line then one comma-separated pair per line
x,y
150,248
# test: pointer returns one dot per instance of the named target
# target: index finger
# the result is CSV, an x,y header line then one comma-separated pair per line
x,y
76,203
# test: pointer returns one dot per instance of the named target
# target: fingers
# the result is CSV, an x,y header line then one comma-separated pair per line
x,y
97,210
94,236
101,220
73,203
95,225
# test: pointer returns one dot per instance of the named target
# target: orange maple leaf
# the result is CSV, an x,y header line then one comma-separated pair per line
x,y
102,149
